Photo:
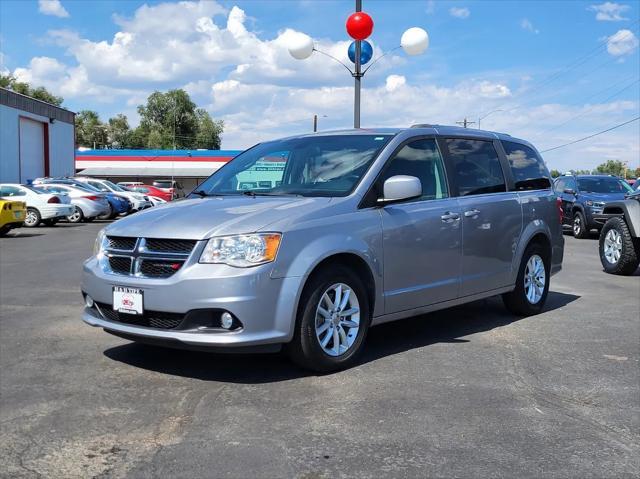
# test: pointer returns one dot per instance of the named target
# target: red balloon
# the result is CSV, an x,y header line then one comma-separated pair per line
x,y
359,25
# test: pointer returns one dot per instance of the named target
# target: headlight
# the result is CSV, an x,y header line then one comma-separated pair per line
x,y
98,246
588,203
242,250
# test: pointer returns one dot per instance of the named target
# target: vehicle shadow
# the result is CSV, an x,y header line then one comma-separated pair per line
x,y
447,326
17,235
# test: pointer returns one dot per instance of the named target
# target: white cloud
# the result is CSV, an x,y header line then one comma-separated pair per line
x,y
52,7
526,24
623,42
459,12
609,11
394,82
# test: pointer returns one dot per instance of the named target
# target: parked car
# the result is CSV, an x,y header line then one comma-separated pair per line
x,y
126,184
137,200
363,227
88,204
12,215
620,236
584,196
170,186
151,191
42,207
118,204
155,201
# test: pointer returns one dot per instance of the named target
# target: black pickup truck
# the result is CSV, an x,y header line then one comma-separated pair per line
x,y
620,235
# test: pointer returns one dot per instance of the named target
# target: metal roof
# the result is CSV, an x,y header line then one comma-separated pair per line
x,y
25,103
154,171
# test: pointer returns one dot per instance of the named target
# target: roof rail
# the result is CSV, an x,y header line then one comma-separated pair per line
x,y
423,125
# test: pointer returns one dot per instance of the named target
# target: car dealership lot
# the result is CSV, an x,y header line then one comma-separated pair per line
x,y
470,391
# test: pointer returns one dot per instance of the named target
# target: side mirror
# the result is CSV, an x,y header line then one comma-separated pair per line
x,y
400,187
569,191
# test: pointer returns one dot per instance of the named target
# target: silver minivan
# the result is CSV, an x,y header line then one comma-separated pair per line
x,y
307,242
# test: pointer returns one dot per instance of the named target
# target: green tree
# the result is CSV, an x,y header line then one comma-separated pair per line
x,y
156,141
611,167
209,131
90,131
555,173
39,93
118,131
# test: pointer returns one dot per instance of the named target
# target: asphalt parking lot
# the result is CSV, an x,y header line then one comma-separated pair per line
x,y
467,392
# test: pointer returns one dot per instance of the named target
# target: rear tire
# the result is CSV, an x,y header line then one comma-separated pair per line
x,y
314,327
618,253
76,217
4,230
529,295
33,218
108,216
579,226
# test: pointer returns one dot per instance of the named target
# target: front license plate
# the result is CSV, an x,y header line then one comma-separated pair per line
x,y
17,214
128,300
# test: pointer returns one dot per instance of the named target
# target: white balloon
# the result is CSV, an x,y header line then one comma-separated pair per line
x,y
300,46
414,41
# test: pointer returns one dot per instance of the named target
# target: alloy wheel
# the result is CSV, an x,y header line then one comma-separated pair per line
x,y
612,246
31,218
577,225
75,216
535,278
337,319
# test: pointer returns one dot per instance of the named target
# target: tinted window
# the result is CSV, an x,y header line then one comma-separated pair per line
x,y
476,167
529,171
421,159
603,185
11,191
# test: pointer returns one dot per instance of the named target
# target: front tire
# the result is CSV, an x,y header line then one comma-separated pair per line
x,y
618,254
33,218
108,216
579,226
76,217
532,283
332,322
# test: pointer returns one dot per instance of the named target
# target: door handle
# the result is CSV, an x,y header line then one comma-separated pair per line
x,y
449,217
472,213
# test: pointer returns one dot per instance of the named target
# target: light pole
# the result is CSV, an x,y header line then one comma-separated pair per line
x,y
483,117
315,122
359,25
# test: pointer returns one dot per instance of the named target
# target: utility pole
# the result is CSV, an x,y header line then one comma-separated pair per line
x,y
357,75
315,123
465,122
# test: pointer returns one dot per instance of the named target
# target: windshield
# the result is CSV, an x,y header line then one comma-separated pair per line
x,y
309,166
36,189
603,185
113,186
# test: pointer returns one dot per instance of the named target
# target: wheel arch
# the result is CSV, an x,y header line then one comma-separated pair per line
x,y
535,232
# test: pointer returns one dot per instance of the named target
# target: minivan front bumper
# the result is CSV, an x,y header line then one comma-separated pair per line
x,y
264,306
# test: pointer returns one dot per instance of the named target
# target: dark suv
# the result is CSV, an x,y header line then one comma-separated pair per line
x,y
584,196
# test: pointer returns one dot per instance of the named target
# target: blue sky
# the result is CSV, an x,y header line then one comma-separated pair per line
x,y
558,70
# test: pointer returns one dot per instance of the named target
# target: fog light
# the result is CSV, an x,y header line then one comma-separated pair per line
x,y
88,300
226,320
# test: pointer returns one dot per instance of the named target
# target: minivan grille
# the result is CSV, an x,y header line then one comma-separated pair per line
x,y
146,257
150,319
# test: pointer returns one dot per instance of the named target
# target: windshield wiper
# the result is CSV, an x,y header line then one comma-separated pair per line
x,y
204,194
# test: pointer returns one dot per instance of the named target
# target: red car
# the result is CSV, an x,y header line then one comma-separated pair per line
x,y
151,191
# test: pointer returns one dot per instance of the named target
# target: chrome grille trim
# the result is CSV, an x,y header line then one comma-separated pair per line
x,y
140,253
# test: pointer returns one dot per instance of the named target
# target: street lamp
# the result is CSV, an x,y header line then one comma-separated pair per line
x,y
359,25
483,117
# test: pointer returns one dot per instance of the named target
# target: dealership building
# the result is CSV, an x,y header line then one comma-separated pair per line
x,y
36,139
187,167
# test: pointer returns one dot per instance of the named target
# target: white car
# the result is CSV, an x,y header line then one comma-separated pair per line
x,y
88,204
138,201
155,200
42,207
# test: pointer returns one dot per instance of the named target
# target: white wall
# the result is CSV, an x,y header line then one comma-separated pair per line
x,y
61,145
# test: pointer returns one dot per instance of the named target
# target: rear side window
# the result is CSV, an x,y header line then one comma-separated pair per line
x,y
476,166
529,171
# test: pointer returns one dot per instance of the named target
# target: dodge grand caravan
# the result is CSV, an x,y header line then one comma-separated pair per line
x,y
308,241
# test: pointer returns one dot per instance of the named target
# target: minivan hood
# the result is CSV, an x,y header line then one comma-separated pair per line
x,y
202,218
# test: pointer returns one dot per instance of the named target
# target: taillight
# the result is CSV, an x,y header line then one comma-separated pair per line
x,y
560,210
92,198
54,199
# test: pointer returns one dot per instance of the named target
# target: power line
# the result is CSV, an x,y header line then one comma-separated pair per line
x,y
591,136
579,115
